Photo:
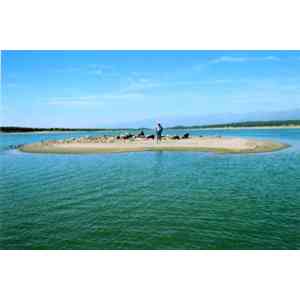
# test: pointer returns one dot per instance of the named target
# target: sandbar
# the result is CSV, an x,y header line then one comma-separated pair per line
x,y
85,145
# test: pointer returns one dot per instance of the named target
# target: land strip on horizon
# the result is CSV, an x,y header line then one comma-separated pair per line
x,y
236,125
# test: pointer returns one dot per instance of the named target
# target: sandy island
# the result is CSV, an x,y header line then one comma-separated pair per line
x,y
131,143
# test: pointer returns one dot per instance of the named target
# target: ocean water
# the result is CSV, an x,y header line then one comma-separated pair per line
x,y
151,200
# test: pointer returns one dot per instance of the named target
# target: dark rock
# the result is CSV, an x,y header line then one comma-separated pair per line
x,y
128,136
175,137
186,136
151,136
141,134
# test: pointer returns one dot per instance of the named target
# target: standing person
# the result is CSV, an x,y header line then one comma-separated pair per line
x,y
159,129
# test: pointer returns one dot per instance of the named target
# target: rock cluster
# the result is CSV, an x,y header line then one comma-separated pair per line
x,y
112,139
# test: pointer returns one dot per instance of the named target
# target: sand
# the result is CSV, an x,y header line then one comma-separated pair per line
x,y
110,145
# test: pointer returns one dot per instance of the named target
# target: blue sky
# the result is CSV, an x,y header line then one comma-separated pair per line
x,y
109,88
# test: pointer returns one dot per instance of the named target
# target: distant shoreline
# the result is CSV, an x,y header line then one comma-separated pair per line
x,y
12,129
249,127
46,132
134,129
275,124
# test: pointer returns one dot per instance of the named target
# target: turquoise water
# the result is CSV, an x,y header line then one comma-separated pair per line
x,y
151,200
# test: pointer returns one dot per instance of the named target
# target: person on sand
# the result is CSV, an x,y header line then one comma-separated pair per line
x,y
159,129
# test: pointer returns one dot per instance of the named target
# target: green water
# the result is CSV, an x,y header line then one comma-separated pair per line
x,y
151,200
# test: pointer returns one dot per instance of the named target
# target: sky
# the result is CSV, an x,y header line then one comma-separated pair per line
x,y
115,88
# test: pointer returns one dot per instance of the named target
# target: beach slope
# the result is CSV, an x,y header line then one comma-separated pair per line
x,y
111,144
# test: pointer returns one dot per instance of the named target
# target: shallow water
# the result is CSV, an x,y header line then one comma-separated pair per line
x,y
151,200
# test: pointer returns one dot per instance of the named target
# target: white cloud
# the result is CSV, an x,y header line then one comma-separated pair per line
x,y
221,81
272,58
242,59
69,69
12,85
86,100
122,96
225,59
101,70
71,98
140,84
98,72
95,99
72,102
94,69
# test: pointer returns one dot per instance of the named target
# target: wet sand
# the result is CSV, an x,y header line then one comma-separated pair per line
x,y
111,144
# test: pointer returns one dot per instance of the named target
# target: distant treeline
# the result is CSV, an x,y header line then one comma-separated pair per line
x,y
243,124
236,124
29,129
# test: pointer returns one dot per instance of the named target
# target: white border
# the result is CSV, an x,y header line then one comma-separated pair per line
x,y
156,24
149,275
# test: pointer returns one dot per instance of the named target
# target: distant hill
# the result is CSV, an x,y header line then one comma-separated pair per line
x,y
9,129
191,120
277,123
